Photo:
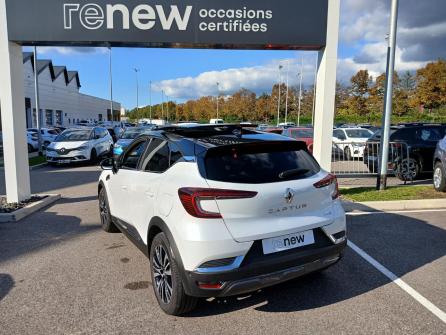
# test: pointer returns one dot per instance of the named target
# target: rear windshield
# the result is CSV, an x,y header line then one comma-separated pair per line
x,y
258,164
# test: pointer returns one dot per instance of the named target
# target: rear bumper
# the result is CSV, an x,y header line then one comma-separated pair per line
x,y
263,272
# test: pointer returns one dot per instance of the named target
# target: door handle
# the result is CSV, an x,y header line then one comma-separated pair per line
x,y
149,194
124,187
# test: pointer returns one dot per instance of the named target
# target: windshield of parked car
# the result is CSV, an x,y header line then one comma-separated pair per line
x,y
131,134
74,135
358,133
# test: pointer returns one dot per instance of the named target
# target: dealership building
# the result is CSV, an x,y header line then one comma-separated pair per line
x,y
61,102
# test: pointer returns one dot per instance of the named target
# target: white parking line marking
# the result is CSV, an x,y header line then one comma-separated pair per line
x,y
397,212
408,289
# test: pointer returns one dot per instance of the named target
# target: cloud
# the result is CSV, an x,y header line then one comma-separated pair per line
x,y
363,30
71,50
259,79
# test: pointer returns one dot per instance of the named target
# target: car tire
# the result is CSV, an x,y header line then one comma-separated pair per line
x,y
168,289
347,154
30,148
93,156
104,213
439,177
408,169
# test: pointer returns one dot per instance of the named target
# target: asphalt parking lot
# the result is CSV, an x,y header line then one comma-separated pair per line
x,y
61,274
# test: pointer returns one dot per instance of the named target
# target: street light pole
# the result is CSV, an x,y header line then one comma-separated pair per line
x,y
137,95
167,108
218,98
384,148
37,97
150,101
278,100
287,90
300,90
162,104
314,90
111,81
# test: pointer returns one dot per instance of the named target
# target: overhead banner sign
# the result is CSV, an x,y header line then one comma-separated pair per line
x,y
250,24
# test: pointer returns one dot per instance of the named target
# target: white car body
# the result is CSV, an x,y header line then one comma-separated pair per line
x,y
100,144
216,121
140,201
33,141
48,135
355,145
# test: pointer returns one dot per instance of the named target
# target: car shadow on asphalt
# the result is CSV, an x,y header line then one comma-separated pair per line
x,y
52,179
388,238
7,283
38,231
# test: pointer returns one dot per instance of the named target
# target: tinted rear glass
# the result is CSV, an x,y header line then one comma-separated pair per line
x,y
261,163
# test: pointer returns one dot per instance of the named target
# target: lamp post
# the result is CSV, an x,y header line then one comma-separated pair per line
x,y
301,75
162,104
111,80
278,100
137,95
287,90
150,101
37,97
218,98
381,182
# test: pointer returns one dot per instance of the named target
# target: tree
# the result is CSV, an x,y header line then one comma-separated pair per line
x,y
431,85
359,92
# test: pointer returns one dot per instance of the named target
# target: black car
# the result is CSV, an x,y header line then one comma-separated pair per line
x,y
411,150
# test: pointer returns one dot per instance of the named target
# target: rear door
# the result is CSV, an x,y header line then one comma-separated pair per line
x,y
284,204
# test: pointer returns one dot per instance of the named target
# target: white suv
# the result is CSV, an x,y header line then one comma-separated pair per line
x,y
80,145
352,141
221,211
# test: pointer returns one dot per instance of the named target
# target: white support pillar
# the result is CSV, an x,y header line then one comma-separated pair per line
x,y
12,102
326,89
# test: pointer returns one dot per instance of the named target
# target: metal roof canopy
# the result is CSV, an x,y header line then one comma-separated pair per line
x,y
216,24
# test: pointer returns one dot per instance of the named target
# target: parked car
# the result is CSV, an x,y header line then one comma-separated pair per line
x,y
80,145
352,141
412,149
216,121
273,130
306,135
33,141
127,137
48,134
287,124
440,166
222,213
301,134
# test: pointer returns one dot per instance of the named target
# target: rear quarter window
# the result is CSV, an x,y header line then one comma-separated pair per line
x,y
259,164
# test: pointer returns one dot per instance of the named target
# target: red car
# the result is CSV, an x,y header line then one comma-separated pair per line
x,y
301,134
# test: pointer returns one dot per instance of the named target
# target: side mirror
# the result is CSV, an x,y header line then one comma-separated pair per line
x,y
109,164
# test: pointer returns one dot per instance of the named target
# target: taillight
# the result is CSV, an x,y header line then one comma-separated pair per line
x,y
191,197
330,179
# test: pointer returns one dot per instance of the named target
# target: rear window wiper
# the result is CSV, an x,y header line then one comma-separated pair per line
x,y
293,173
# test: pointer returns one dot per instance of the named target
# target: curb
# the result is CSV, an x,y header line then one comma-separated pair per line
x,y
31,168
401,205
37,167
28,210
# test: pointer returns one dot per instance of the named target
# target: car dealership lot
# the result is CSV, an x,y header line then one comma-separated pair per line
x,y
59,273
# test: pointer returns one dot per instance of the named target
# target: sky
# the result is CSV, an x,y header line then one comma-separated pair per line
x,y
188,74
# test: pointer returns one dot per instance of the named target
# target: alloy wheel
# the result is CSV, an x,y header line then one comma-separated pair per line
x,y
437,178
162,274
103,209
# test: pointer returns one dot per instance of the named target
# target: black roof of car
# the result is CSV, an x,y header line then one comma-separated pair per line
x,y
195,139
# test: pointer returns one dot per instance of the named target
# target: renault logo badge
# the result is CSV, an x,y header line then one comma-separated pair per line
x,y
289,195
